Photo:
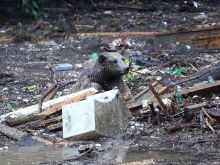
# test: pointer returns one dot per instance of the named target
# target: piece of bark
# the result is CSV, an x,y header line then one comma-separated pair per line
x,y
50,106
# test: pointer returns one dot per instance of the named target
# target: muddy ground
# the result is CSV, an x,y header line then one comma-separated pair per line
x,y
28,60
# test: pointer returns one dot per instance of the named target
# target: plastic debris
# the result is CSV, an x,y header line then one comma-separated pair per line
x,y
93,56
63,67
32,88
179,94
177,71
210,79
9,106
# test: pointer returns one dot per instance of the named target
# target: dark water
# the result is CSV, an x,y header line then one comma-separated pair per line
x,y
38,154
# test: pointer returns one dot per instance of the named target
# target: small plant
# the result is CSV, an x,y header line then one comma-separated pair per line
x,y
32,8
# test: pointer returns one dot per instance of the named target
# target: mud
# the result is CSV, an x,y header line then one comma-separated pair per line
x,y
29,63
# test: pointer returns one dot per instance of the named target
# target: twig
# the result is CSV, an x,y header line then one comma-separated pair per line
x,y
209,126
208,115
193,67
119,33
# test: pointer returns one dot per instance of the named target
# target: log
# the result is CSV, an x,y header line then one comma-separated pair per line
x,y
21,136
50,106
41,124
12,132
25,119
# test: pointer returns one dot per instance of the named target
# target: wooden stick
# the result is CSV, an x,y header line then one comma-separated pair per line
x,y
208,115
50,106
209,126
53,120
119,34
157,96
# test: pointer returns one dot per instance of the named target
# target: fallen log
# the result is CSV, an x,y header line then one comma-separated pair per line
x,y
50,106
20,135
12,132
34,125
25,119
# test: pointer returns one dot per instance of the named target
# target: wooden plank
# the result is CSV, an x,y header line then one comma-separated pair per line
x,y
202,89
155,83
50,106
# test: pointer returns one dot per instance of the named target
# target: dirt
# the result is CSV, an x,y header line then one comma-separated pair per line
x,y
29,63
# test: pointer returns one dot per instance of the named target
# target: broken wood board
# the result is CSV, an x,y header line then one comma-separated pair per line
x,y
145,94
202,89
50,106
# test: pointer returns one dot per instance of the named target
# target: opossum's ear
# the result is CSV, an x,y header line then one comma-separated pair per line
x,y
101,58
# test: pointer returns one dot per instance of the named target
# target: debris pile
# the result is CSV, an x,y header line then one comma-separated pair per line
x,y
172,76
